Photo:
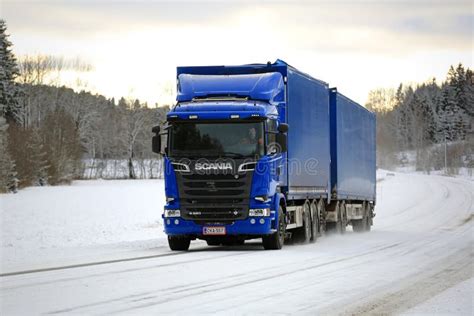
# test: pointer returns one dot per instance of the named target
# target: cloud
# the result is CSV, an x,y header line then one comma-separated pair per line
x,y
135,46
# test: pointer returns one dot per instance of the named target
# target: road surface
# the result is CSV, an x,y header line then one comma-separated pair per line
x,y
421,245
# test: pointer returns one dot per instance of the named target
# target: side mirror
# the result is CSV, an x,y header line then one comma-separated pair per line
x,y
283,128
156,140
281,140
156,144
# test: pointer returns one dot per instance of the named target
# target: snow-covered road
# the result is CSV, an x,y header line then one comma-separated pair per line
x,y
420,248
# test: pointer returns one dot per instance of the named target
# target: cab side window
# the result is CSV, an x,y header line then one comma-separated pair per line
x,y
271,136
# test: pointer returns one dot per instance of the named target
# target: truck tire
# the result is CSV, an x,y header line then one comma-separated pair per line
x,y
303,234
342,220
360,225
322,217
275,241
370,216
178,243
307,224
315,221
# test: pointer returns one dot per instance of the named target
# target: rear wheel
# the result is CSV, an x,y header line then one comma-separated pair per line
x,y
303,234
360,225
306,236
178,243
342,219
275,241
314,221
322,217
370,216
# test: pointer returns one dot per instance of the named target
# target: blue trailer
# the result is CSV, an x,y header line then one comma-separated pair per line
x,y
264,151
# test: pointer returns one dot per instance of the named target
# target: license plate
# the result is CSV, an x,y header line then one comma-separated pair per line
x,y
213,230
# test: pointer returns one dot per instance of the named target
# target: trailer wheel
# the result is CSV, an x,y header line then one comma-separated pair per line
x,y
342,219
275,241
322,217
360,225
370,216
314,221
179,243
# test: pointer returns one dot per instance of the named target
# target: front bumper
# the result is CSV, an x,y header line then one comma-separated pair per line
x,y
179,226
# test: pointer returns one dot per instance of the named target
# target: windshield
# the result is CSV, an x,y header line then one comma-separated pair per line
x,y
216,140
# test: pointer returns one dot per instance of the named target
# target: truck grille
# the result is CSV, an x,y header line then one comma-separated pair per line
x,y
214,197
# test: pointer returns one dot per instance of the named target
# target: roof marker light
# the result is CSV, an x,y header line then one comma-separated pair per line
x,y
255,115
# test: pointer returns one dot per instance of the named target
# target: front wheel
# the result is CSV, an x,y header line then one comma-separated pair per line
x,y
178,243
275,241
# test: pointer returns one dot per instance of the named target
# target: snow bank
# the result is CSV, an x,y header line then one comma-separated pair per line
x,y
49,223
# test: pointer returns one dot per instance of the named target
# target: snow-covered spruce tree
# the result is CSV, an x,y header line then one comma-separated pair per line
x,y
455,111
9,90
8,179
450,117
423,128
37,158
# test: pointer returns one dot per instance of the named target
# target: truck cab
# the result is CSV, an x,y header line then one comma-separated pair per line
x,y
223,159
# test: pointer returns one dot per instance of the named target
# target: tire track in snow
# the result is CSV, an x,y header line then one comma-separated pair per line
x,y
246,281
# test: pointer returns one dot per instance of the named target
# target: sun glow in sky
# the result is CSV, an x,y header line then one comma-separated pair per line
x,y
135,47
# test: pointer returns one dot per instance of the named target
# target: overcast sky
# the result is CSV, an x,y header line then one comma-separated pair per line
x,y
135,46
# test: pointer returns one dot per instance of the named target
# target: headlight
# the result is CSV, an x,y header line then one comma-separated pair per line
x,y
259,212
172,213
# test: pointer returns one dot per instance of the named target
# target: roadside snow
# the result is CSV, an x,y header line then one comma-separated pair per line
x,y
42,225
457,300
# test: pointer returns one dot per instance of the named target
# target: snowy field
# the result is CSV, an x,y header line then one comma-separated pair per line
x,y
418,259
44,226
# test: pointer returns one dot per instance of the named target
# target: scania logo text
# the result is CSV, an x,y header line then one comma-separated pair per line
x,y
213,166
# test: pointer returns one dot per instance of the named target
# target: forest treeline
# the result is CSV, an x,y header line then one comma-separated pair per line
x,y
51,134
430,124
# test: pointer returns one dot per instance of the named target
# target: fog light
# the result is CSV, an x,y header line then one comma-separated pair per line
x,y
259,212
252,221
176,221
262,221
172,213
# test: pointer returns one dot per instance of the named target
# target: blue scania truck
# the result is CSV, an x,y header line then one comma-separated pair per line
x,y
264,151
